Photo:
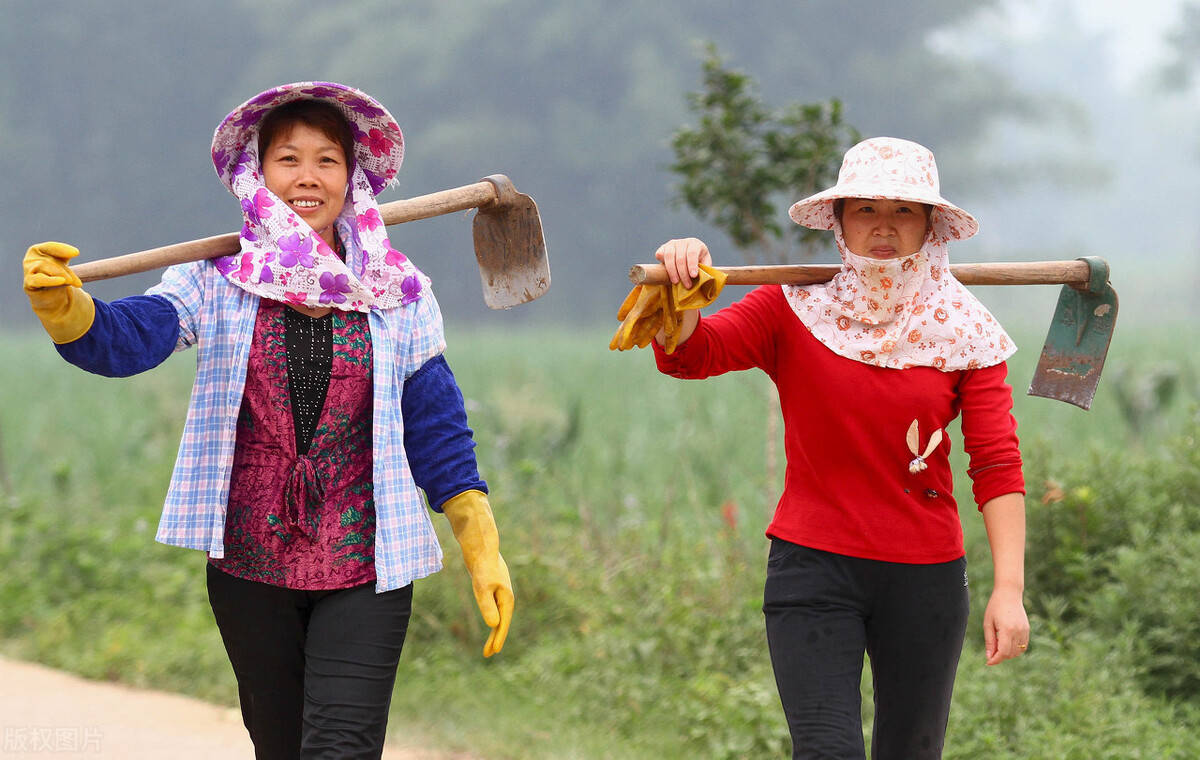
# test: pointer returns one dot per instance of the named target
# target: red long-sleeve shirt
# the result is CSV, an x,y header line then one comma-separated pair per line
x,y
848,488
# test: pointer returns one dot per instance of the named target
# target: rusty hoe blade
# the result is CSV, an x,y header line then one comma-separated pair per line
x,y
1077,343
510,248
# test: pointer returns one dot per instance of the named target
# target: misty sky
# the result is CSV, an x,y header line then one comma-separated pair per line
x,y
1107,59
1107,167
1136,39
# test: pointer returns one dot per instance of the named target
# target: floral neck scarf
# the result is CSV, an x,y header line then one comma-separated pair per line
x,y
901,313
284,259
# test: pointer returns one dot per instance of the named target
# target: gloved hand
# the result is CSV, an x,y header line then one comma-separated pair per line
x,y
471,520
650,308
55,292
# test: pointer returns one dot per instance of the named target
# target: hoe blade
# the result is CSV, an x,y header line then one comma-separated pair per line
x,y
511,251
1077,343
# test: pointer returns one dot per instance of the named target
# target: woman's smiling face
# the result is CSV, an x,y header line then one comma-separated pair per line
x,y
884,229
308,171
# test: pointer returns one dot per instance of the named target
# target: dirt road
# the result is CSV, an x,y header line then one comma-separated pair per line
x,y
46,714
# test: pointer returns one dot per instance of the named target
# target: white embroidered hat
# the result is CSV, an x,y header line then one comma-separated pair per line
x,y
378,141
892,169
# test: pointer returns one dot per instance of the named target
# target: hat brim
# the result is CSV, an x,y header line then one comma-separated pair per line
x,y
948,220
378,141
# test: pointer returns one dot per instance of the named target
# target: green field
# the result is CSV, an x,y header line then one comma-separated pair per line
x,y
631,508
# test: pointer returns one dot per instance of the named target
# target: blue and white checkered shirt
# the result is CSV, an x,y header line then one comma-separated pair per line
x,y
218,318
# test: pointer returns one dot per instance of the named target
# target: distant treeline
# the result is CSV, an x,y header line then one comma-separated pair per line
x,y
108,109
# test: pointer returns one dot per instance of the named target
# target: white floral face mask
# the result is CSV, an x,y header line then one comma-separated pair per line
x,y
900,313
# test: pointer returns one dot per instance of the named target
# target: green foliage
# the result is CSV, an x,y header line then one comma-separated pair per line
x,y
1146,395
743,159
1067,700
107,110
84,587
631,507
1112,549
1152,596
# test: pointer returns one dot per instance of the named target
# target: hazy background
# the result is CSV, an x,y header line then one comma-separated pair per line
x,y
1066,127
1049,119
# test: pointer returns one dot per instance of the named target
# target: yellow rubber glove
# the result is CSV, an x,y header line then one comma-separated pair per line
x,y
471,520
641,317
649,308
56,293
706,286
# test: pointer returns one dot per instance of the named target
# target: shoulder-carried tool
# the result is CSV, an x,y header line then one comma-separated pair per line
x,y
1080,332
1077,343
509,244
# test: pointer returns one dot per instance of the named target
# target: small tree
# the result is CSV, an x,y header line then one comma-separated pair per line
x,y
744,158
741,161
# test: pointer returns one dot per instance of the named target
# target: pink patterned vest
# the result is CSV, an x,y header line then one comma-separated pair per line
x,y
303,521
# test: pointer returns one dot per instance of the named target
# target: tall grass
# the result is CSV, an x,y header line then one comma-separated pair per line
x,y
631,508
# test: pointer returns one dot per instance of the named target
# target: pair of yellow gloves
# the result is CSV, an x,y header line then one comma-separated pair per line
x,y
650,308
67,312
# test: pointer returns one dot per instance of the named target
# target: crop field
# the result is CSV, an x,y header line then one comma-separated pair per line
x,y
631,508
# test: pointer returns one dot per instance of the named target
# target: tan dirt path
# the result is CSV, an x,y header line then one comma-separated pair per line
x,y
45,713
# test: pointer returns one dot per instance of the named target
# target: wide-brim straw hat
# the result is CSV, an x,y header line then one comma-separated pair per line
x,y
887,168
378,141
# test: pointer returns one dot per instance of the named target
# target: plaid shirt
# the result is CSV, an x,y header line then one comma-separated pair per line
x,y
218,318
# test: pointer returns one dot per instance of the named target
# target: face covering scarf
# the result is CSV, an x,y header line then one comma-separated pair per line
x,y
284,259
901,313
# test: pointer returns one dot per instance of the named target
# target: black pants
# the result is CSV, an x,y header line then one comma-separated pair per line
x,y
823,611
315,669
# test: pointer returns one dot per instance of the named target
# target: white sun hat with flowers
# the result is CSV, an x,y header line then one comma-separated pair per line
x,y
887,168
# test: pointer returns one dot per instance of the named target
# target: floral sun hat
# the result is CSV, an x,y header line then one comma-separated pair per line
x,y
379,143
903,312
892,169
282,258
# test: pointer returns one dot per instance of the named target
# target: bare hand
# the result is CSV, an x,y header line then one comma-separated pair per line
x,y
682,259
1005,627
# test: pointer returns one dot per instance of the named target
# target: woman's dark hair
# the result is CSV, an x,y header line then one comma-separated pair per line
x,y
324,117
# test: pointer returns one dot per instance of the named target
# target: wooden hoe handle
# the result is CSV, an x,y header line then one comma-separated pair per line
x,y
1073,273
480,194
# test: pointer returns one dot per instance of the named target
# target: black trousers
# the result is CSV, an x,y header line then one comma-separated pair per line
x,y
824,610
315,669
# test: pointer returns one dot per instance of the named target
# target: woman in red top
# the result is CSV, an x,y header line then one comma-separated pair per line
x,y
866,545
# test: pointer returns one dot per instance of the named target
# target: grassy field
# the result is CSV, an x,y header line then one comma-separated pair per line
x,y
631,508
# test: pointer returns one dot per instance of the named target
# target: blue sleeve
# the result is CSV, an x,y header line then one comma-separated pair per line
x,y
129,335
440,449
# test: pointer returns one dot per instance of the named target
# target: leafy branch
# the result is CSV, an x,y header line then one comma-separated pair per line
x,y
743,159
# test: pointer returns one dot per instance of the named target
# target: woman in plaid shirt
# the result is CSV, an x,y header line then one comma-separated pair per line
x,y
322,407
